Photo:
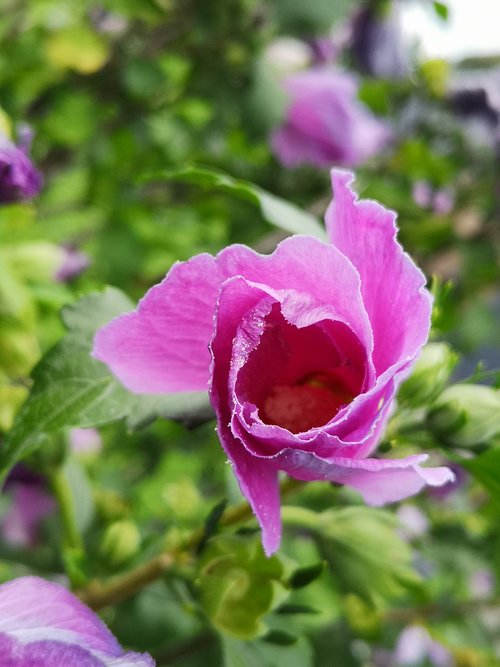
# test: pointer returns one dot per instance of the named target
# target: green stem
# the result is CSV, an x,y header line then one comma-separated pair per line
x,y
98,595
62,492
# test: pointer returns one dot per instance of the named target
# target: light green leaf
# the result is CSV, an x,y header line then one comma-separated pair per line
x,y
486,469
441,10
276,211
264,654
73,389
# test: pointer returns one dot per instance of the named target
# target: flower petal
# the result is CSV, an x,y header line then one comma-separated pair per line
x,y
379,481
163,345
258,479
304,274
393,288
33,610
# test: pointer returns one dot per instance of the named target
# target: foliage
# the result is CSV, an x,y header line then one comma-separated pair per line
x,y
152,124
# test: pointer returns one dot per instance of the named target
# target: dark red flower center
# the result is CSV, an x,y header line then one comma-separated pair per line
x,y
312,402
299,378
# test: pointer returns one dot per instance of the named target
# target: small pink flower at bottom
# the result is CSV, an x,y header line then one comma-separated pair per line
x,y
302,351
44,625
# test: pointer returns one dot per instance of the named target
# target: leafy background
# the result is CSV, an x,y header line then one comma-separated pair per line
x,y
124,97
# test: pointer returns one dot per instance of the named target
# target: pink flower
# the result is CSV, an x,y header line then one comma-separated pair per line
x,y
325,123
44,625
302,350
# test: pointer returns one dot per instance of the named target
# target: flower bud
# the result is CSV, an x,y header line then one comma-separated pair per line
x,y
367,556
430,375
239,585
466,415
120,543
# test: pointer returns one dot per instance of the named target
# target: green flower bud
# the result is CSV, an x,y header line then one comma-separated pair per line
x,y
430,375
366,554
239,585
120,543
466,415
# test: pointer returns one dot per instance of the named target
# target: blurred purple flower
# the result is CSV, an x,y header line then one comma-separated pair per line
x,y
44,625
30,503
413,522
482,584
443,201
85,441
324,50
73,264
30,497
439,201
325,122
19,179
108,22
377,43
422,194
416,647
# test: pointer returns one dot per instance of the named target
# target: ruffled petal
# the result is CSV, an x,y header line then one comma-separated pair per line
x,y
162,347
393,288
304,275
258,480
379,481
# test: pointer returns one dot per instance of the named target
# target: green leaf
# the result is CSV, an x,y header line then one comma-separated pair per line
x,y
294,608
306,575
212,523
70,388
265,654
276,211
280,638
441,10
486,469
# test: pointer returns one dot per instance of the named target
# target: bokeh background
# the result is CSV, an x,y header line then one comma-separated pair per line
x,y
116,98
